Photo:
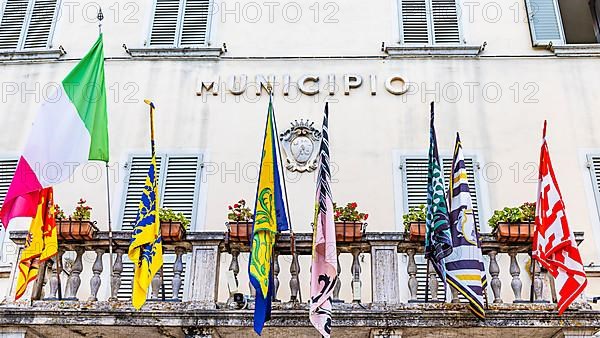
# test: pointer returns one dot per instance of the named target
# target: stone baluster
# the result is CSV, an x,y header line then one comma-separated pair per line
x,y
515,271
338,283
155,284
412,275
538,285
454,295
116,277
433,282
234,267
74,281
177,271
276,270
294,280
356,282
494,270
97,270
56,269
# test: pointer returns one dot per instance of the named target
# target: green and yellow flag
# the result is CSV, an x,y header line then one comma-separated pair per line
x,y
269,218
145,249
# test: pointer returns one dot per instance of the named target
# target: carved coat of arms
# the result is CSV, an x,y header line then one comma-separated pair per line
x,y
301,146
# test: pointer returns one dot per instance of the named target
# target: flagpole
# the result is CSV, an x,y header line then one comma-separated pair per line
x,y
287,204
108,204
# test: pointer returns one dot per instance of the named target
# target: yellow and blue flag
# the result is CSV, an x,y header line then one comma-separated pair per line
x,y
145,249
269,218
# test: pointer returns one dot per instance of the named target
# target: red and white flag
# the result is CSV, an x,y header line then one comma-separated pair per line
x,y
554,244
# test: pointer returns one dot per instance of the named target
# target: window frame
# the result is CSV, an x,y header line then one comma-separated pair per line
x,y
198,188
179,28
594,177
544,43
430,26
25,28
401,188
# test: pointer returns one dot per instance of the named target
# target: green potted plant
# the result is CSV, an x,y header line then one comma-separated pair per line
x,y
240,222
350,224
78,226
414,223
514,224
173,225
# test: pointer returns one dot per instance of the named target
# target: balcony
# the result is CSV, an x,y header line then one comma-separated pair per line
x,y
384,300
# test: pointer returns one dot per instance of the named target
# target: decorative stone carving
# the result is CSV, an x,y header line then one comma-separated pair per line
x,y
356,282
177,271
433,282
95,281
300,144
516,284
294,280
494,270
117,270
411,269
74,281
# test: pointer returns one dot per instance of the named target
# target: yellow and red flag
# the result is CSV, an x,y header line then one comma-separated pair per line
x,y
41,243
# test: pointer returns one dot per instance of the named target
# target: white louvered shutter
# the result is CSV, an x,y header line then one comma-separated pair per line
x,y
594,166
195,23
136,179
179,184
544,22
11,25
415,22
7,172
40,24
414,175
165,23
445,22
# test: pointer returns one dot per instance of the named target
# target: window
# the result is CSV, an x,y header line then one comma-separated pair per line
x,y
560,22
27,24
429,22
180,23
179,183
594,166
414,178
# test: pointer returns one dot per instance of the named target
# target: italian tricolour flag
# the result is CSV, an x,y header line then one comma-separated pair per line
x,y
70,129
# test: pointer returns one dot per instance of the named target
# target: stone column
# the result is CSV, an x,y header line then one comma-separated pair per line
x,y
494,270
356,282
516,284
177,272
74,280
204,274
384,273
95,281
411,269
115,283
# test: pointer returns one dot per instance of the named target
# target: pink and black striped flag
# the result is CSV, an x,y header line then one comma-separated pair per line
x,y
324,257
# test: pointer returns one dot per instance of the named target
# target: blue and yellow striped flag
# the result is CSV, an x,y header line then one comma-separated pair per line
x,y
269,218
145,249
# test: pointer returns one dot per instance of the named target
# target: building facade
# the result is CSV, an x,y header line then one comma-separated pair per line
x,y
495,71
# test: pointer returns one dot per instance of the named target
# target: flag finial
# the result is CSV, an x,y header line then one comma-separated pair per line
x,y
545,124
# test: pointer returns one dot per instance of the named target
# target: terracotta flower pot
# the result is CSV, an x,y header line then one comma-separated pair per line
x,y
417,231
515,232
349,231
76,230
172,231
240,231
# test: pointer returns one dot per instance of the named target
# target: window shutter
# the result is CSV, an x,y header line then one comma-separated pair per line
x,y
415,180
445,21
136,179
181,183
40,24
195,23
544,22
165,23
414,21
7,172
594,165
12,22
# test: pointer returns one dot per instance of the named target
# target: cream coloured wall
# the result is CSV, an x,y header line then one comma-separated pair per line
x,y
367,132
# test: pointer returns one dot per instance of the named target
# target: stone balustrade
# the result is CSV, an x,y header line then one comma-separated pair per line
x,y
390,254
